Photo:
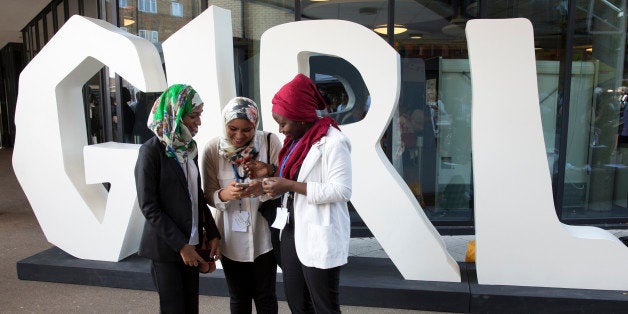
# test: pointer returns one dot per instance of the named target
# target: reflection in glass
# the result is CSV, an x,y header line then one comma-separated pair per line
x,y
430,147
156,20
596,172
427,140
60,17
73,7
371,14
343,88
250,20
136,109
91,9
94,110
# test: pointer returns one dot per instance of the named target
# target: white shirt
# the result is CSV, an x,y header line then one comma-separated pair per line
x,y
192,172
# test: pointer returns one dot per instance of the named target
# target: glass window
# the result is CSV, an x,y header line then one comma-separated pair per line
x,y
429,133
60,17
176,9
94,110
41,35
147,22
91,8
596,171
73,5
122,3
339,82
135,112
149,6
123,110
49,25
343,88
128,18
109,11
162,24
154,37
249,20
32,33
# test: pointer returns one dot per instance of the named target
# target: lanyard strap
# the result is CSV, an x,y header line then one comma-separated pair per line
x,y
293,146
238,177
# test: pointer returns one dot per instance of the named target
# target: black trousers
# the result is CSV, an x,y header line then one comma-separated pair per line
x,y
252,281
177,285
308,289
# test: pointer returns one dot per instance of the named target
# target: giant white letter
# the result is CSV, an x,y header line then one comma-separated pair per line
x,y
380,195
201,54
76,213
520,241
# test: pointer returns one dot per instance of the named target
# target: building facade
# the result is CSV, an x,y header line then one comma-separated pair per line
x,y
581,68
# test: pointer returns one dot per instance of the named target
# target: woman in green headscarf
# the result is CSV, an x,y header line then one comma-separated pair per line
x,y
169,194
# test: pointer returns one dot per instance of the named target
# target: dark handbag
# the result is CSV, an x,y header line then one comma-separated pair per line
x,y
268,209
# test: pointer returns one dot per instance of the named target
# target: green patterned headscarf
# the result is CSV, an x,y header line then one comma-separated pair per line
x,y
166,122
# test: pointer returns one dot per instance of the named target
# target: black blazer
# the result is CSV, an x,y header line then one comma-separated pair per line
x,y
162,193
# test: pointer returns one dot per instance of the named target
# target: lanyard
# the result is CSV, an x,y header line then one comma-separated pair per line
x,y
238,177
293,146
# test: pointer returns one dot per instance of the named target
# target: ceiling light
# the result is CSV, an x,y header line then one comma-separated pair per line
x,y
455,27
383,29
453,30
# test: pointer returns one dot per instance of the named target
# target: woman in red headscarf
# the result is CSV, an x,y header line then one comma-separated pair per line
x,y
314,184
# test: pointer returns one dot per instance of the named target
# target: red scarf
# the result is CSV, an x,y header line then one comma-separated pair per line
x,y
298,100
291,157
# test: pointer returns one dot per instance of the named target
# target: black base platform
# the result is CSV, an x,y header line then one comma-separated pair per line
x,y
373,282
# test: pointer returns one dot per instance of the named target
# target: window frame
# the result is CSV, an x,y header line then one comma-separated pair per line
x,y
176,9
147,6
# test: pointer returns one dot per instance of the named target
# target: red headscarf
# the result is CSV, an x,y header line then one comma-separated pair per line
x,y
298,101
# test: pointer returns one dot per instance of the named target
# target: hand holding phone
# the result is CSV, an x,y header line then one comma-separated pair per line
x,y
242,185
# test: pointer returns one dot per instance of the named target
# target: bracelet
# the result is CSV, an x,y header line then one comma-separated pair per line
x,y
272,173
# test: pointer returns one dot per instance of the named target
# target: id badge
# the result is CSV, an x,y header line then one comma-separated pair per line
x,y
240,221
281,219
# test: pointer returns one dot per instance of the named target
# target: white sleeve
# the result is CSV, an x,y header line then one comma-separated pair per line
x,y
337,166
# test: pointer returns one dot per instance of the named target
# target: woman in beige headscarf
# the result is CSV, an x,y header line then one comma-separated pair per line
x,y
247,253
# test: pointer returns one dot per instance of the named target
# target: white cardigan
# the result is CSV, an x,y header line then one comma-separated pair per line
x,y
321,219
